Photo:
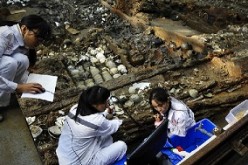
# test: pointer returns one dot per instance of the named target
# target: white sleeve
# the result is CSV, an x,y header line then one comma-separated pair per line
x,y
6,85
5,38
108,127
4,41
178,123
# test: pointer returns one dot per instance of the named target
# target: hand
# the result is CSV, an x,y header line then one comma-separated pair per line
x,y
30,88
111,109
158,117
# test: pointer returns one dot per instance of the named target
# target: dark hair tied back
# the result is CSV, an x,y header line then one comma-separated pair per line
x,y
89,97
159,94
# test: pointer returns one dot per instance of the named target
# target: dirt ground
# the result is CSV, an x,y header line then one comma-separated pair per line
x,y
196,50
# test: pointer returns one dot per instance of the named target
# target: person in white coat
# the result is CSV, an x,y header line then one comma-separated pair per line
x,y
86,135
180,116
15,43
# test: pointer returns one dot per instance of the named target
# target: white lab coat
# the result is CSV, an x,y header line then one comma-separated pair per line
x,y
13,61
82,145
180,117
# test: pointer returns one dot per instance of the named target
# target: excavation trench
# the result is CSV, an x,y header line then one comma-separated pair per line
x,y
192,50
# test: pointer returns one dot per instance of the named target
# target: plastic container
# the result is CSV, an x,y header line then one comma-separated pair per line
x,y
122,161
237,112
196,136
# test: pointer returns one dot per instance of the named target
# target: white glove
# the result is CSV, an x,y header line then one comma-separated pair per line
x,y
181,153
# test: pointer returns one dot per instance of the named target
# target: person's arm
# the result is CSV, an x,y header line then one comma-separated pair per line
x,y
179,123
7,86
158,119
30,88
108,127
10,86
4,42
181,119
5,38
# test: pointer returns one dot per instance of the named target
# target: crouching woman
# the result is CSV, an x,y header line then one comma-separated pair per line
x,y
180,116
86,134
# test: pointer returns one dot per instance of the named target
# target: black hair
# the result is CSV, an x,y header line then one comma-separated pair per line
x,y
159,94
36,22
89,97
8,23
32,57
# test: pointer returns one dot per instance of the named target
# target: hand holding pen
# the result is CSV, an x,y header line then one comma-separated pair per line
x,y
29,88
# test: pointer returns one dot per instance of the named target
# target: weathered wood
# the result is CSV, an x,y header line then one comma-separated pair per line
x,y
134,21
198,24
167,35
221,99
31,107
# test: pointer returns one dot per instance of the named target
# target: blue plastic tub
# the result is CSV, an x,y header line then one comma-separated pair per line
x,y
122,161
196,135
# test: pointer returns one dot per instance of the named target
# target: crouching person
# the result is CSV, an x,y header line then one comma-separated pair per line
x,y
86,134
180,116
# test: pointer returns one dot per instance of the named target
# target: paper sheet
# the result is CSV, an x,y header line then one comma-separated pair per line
x,y
48,82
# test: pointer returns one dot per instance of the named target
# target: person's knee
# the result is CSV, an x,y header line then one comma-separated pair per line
x,y
24,62
122,145
11,65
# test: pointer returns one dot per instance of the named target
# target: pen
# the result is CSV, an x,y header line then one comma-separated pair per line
x,y
49,91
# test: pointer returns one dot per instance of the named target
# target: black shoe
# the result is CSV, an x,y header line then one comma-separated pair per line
x,y
1,117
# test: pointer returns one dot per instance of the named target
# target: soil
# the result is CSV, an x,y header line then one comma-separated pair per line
x,y
196,50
